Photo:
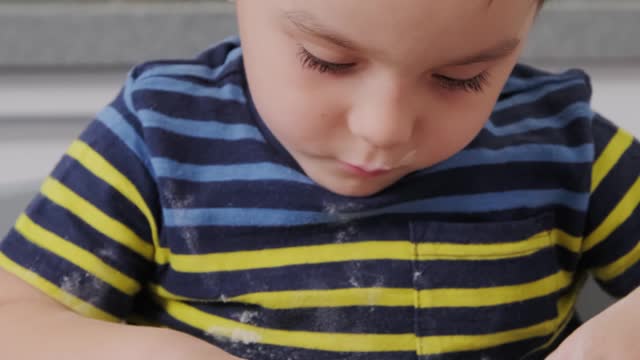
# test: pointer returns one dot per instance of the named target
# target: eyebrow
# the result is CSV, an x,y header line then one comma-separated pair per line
x,y
306,23
503,49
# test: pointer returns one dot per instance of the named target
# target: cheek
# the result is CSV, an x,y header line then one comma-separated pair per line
x,y
300,108
451,127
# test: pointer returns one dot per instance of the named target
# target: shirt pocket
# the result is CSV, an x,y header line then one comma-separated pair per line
x,y
487,278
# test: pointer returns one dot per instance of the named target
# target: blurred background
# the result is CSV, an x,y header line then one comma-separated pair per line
x,y
62,60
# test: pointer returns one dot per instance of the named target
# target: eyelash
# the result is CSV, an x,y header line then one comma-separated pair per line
x,y
475,84
311,62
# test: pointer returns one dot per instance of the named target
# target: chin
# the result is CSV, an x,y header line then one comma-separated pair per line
x,y
354,190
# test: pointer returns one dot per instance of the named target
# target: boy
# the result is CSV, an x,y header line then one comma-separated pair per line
x,y
366,180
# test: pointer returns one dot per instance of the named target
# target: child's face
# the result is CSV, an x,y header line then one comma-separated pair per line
x,y
364,92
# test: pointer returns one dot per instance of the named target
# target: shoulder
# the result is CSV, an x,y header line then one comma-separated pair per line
x,y
533,91
544,105
216,73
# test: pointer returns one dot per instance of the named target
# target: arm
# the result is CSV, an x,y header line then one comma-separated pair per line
x,y
613,334
33,326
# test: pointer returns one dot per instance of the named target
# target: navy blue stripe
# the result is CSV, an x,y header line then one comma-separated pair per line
x,y
480,233
194,108
447,204
509,351
518,153
621,242
531,96
624,283
195,70
228,239
113,120
574,112
614,187
547,106
257,351
436,274
66,275
486,179
392,320
341,275
208,130
120,156
352,320
515,83
486,319
69,227
101,195
229,92
196,151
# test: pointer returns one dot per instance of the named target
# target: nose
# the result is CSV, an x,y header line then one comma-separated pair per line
x,y
383,116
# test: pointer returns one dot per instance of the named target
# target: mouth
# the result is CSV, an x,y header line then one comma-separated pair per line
x,y
363,170
378,168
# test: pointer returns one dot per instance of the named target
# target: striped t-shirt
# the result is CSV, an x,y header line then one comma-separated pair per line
x,y
177,207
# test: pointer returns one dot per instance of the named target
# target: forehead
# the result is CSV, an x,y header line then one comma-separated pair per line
x,y
405,27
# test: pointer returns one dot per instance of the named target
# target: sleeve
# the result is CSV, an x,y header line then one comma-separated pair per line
x,y
89,238
611,247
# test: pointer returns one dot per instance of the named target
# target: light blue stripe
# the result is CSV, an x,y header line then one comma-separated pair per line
x,y
242,217
520,153
230,92
199,71
488,202
496,201
575,111
208,129
532,96
112,119
205,173
517,84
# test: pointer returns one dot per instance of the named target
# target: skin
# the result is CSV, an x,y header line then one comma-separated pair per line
x,y
391,109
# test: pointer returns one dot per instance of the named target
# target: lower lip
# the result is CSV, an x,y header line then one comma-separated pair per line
x,y
362,172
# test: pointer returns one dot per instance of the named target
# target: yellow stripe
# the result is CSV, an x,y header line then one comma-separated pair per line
x,y
429,251
100,167
569,299
618,267
496,295
220,327
243,260
569,242
402,297
432,345
76,255
366,250
76,304
66,198
619,215
609,157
